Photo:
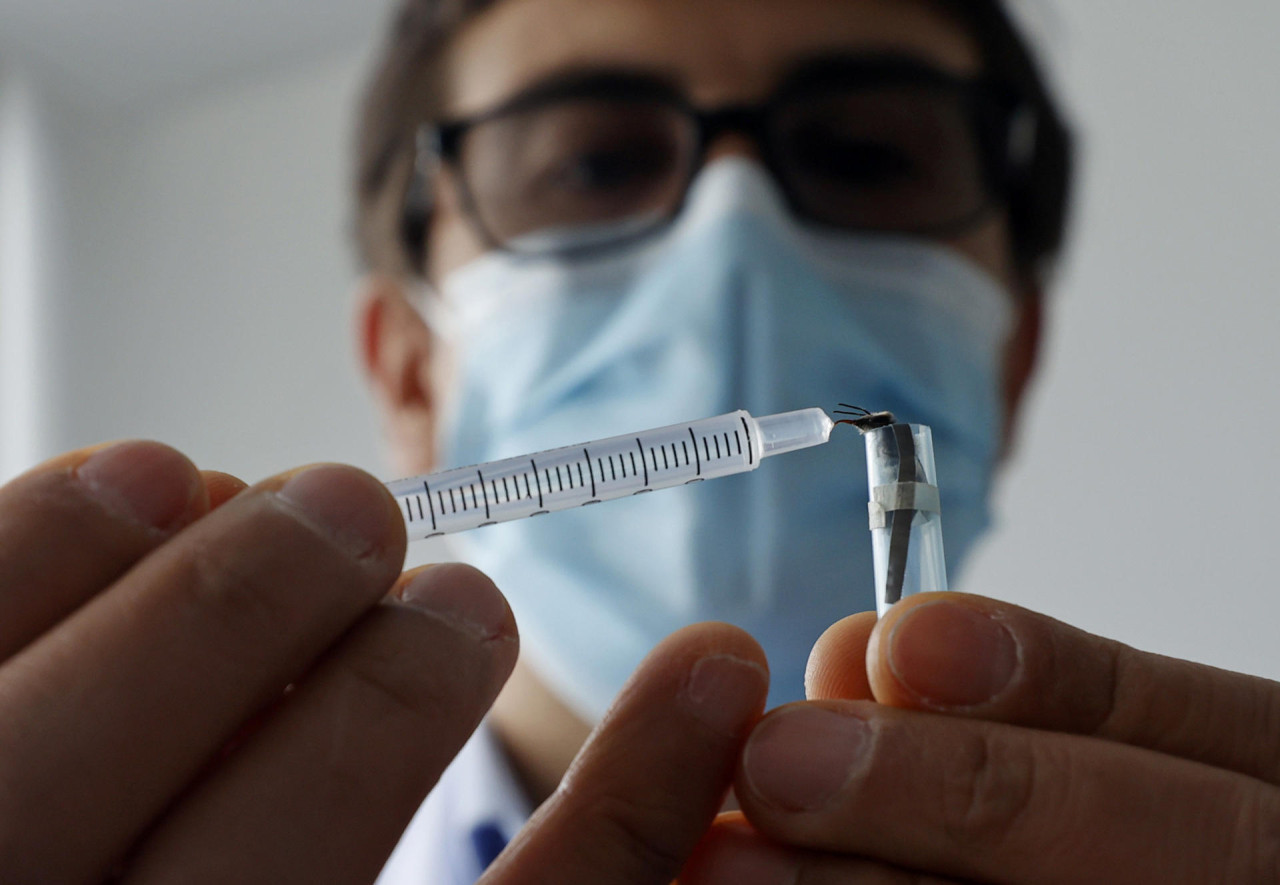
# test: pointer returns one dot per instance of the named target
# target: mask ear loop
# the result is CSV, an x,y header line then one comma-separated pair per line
x,y
444,325
445,317
440,316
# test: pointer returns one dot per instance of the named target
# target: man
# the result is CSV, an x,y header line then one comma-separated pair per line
x,y
585,218
625,197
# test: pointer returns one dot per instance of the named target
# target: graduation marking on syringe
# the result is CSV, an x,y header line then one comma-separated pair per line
x,y
426,488
587,455
557,479
640,446
480,474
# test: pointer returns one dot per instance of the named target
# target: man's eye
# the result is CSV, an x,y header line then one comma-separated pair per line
x,y
851,162
613,169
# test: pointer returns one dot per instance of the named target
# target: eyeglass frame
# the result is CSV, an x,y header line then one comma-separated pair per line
x,y
1002,122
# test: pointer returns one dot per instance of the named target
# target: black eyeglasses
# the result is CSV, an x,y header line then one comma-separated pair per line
x,y
599,159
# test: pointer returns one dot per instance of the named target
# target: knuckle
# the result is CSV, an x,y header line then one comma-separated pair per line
x,y
1145,698
1164,704
391,689
989,790
1265,703
399,666
218,585
632,836
1132,692
406,671
1073,681
1112,661
1258,838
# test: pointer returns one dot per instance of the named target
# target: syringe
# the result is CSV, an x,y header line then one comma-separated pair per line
x,y
590,473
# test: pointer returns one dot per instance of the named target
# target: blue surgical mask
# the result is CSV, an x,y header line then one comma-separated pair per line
x,y
736,306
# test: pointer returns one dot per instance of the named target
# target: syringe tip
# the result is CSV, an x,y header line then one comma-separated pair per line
x,y
792,431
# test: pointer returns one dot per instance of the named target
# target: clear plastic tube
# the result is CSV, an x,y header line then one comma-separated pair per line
x,y
906,518
590,473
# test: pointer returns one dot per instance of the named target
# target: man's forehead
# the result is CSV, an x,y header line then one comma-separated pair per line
x,y
718,50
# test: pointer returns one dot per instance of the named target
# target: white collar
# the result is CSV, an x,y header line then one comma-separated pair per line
x,y
477,792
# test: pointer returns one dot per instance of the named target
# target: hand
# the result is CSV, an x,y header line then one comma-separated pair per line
x,y
1005,747
151,619
654,773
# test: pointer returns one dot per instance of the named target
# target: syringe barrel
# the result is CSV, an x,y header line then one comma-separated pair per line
x,y
905,514
574,476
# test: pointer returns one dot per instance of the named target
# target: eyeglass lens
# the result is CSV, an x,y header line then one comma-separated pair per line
x,y
894,158
903,159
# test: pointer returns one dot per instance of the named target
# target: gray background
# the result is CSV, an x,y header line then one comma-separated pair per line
x,y
174,264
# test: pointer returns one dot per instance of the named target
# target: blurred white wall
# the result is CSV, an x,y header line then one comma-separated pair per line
x,y
30,199
211,275
1140,503
203,270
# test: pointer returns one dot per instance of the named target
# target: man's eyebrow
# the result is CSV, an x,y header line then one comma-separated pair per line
x,y
634,83
614,82
866,66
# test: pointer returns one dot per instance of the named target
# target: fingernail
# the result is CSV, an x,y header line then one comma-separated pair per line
x,y
952,655
346,505
799,759
461,596
143,482
725,692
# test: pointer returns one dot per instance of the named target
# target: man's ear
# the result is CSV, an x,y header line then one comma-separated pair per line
x,y
1022,355
397,351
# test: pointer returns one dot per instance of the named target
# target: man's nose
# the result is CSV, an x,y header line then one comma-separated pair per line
x,y
733,144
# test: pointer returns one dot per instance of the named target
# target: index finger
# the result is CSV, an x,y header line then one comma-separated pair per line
x,y
71,526
653,775
979,658
998,803
132,696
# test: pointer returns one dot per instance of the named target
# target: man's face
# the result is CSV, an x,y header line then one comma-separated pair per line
x,y
718,52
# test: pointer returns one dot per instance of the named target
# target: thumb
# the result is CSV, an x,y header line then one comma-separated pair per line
x,y
651,778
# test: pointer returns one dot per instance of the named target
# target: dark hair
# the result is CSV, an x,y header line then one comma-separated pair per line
x,y
404,93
